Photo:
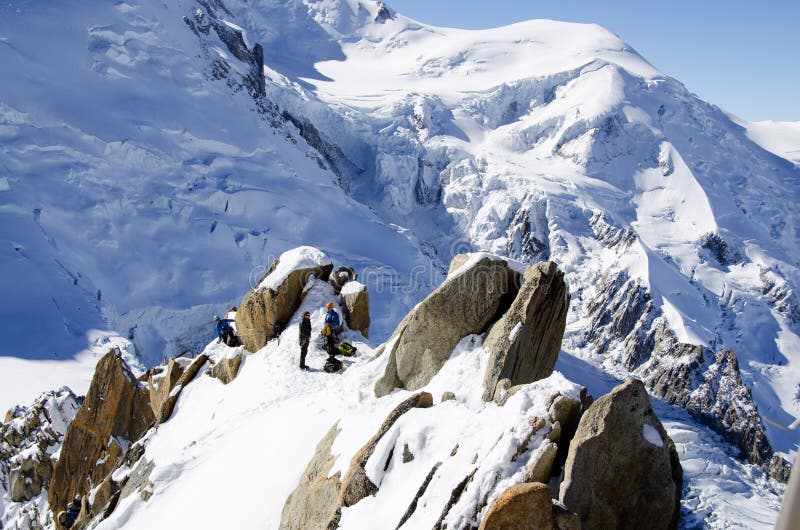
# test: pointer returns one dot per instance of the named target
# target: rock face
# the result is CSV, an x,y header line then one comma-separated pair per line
x,y
317,501
466,303
524,344
706,383
28,437
314,504
267,308
521,507
161,381
105,497
710,387
622,470
165,411
341,276
356,305
116,412
227,369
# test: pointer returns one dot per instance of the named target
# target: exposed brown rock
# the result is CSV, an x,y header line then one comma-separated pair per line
x,y
27,478
116,408
161,382
622,470
341,276
540,469
524,344
27,440
188,375
524,506
566,414
264,311
356,309
564,519
464,304
315,503
448,396
227,369
456,263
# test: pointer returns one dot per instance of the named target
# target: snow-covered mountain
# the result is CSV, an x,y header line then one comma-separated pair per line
x,y
540,139
149,174
143,188
779,137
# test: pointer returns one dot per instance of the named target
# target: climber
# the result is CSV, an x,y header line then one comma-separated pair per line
x,y
225,332
331,329
305,338
67,518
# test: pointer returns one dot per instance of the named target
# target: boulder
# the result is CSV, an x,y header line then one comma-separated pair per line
x,y
116,408
267,307
341,276
540,469
521,507
27,478
448,396
456,263
162,381
523,345
315,504
356,306
188,375
227,369
622,470
467,302
565,520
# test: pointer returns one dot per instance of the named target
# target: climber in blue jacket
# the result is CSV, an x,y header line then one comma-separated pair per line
x,y
331,329
225,332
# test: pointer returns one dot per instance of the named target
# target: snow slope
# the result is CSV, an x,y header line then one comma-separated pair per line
x,y
780,137
141,195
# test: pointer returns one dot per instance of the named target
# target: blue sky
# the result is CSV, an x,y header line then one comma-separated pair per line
x,y
741,55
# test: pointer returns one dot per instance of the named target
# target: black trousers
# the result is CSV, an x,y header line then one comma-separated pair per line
x,y
230,339
303,352
330,345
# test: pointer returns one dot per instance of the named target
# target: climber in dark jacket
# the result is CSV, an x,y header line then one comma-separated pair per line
x,y
68,517
305,338
225,332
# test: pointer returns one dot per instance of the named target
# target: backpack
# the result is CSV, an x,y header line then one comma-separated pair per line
x,y
333,365
346,349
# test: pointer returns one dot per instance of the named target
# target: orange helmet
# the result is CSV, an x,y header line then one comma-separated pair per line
x,y
329,305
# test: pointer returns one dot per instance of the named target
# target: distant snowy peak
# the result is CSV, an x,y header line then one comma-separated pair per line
x,y
779,137
403,55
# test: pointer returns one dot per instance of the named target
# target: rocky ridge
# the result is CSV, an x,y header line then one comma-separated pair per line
x,y
706,383
547,434
30,441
